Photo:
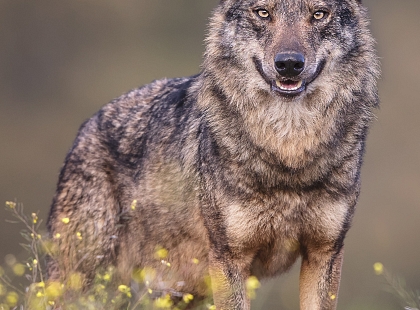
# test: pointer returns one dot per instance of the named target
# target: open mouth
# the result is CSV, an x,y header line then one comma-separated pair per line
x,y
288,87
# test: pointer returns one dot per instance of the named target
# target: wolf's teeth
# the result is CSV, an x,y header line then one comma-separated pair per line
x,y
299,84
284,86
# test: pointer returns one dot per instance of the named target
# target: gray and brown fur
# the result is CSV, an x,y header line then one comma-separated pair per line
x,y
227,168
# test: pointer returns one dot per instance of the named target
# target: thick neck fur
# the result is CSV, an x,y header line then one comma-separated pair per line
x,y
288,137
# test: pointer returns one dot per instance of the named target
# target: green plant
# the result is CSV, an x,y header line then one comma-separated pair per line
x,y
35,292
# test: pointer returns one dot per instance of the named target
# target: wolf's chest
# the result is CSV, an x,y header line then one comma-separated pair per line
x,y
275,228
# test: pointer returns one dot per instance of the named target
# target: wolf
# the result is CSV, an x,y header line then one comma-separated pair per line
x,y
236,171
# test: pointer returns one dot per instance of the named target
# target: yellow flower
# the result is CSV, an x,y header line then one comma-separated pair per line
x,y
187,298
12,299
195,261
134,204
123,288
11,204
79,235
332,296
379,268
54,290
40,284
162,253
34,218
252,284
19,269
163,302
57,236
65,220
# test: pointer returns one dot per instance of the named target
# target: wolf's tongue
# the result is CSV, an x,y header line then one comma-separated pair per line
x,y
289,84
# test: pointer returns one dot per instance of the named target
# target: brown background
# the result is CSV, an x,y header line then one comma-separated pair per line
x,y
60,61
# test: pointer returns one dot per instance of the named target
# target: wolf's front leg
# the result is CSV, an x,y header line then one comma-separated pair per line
x,y
228,278
320,279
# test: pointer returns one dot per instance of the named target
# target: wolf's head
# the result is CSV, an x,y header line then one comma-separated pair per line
x,y
288,76
289,49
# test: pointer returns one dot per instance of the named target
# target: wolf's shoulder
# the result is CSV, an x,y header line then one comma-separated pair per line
x,y
121,125
136,106
159,92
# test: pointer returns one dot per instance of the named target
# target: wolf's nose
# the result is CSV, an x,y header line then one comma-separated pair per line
x,y
289,64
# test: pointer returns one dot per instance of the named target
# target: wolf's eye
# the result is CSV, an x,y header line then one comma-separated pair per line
x,y
263,13
318,15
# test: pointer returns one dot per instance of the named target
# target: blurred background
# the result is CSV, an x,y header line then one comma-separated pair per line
x,y
60,61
